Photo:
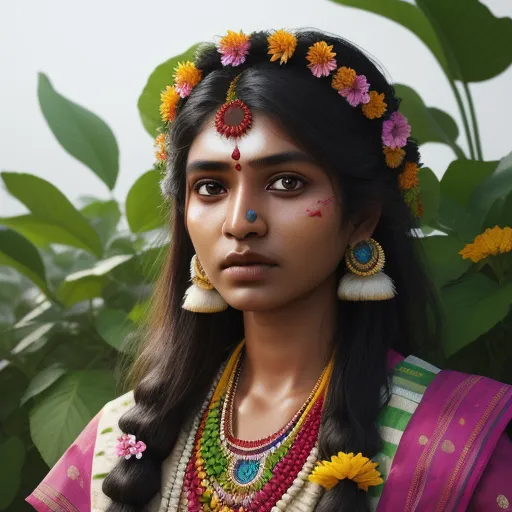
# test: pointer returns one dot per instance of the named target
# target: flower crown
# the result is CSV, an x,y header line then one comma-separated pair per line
x,y
234,48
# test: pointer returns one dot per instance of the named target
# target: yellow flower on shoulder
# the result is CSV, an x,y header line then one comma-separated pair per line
x,y
346,465
490,243
281,45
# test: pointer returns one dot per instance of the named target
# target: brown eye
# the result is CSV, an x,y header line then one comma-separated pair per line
x,y
208,188
288,184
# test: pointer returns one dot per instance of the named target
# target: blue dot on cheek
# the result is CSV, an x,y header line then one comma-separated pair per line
x,y
251,215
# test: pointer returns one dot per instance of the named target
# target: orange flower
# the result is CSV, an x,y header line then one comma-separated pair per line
x,y
490,243
160,152
321,59
169,99
376,106
344,77
186,77
394,156
408,178
281,45
234,48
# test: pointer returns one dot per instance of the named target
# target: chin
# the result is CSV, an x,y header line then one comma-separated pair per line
x,y
253,300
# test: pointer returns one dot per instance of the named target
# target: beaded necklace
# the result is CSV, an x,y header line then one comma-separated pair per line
x,y
226,474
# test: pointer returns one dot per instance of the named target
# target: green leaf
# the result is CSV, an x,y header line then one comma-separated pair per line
x,y
62,412
114,327
104,216
462,178
51,206
41,331
43,380
476,43
456,220
428,124
145,207
13,454
18,253
429,187
89,283
160,78
80,132
473,306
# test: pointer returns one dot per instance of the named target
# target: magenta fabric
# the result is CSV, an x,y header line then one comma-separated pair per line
x,y
67,487
448,444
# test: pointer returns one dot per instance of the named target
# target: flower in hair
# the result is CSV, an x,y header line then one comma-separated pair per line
x,y
344,77
346,465
169,99
321,59
186,77
395,131
127,445
281,45
160,152
376,107
357,93
394,156
408,178
234,48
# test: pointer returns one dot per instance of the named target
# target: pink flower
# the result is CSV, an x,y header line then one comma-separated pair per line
x,y
127,446
234,48
357,93
184,90
395,131
323,69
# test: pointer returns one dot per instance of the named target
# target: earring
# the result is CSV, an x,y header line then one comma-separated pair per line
x,y
202,297
366,281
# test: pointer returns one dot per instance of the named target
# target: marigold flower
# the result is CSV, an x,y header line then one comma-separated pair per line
x,y
281,45
169,99
376,107
394,156
343,78
357,93
186,77
234,48
160,152
321,59
490,243
346,465
408,178
395,131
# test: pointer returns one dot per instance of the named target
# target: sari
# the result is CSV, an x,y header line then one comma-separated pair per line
x,y
444,449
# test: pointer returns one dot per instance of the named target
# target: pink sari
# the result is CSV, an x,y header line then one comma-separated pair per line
x,y
453,455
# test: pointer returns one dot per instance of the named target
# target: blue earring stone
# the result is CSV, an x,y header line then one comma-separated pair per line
x,y
363,252
251,216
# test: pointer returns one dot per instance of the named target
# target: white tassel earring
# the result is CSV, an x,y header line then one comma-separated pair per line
x,y
366,281
202,297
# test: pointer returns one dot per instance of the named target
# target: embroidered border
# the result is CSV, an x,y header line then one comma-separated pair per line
x,y
53,499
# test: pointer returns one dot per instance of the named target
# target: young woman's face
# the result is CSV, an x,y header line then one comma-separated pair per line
x,y
297,236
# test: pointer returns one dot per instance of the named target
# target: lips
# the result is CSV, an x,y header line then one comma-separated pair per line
x,y
240,259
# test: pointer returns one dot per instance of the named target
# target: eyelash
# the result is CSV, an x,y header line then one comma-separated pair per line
x,y
199,184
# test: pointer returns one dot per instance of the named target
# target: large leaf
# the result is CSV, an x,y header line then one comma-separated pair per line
x,y
51,206
104,217
145,207
20,254
429,189
114,327
456,220
473,306
43,380
80,132
61,413
160,78
13,454
428,124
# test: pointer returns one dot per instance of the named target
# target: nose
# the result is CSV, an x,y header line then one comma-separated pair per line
x,y
238,223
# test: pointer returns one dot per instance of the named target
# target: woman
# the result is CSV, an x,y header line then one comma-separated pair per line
x,y
274,381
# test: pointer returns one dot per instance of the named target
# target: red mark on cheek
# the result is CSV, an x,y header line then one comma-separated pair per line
x,y
317,211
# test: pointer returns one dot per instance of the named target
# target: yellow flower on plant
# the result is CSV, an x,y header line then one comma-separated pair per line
x,y
408,178
343,78
321,59
490,243
186,77
376,107
394,156
169,99
281,45
346,465
160,152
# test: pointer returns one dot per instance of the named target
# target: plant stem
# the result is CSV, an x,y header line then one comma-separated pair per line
x,y
474,122
464,117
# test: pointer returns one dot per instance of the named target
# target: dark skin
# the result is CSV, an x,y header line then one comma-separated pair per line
x,y
289,313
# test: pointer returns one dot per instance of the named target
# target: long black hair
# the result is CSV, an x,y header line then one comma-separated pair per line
x,y
182,351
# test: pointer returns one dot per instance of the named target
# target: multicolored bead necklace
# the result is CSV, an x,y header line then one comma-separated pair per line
x,y
226,474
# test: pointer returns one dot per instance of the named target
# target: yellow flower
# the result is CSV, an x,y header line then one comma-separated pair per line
x,y
354,467
344,77
186,77
408,178
490,243
394,156
281,45
160,152
321,59
376,106
169,99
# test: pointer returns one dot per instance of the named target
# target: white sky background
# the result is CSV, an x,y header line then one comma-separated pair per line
x,y
99,53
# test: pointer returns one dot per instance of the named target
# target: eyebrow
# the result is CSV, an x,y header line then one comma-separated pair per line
x,y
265,161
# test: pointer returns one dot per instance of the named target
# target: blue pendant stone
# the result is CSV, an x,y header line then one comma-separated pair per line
x,y
363,252
245,470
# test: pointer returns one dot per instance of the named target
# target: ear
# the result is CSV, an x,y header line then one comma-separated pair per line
x,y
364,224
